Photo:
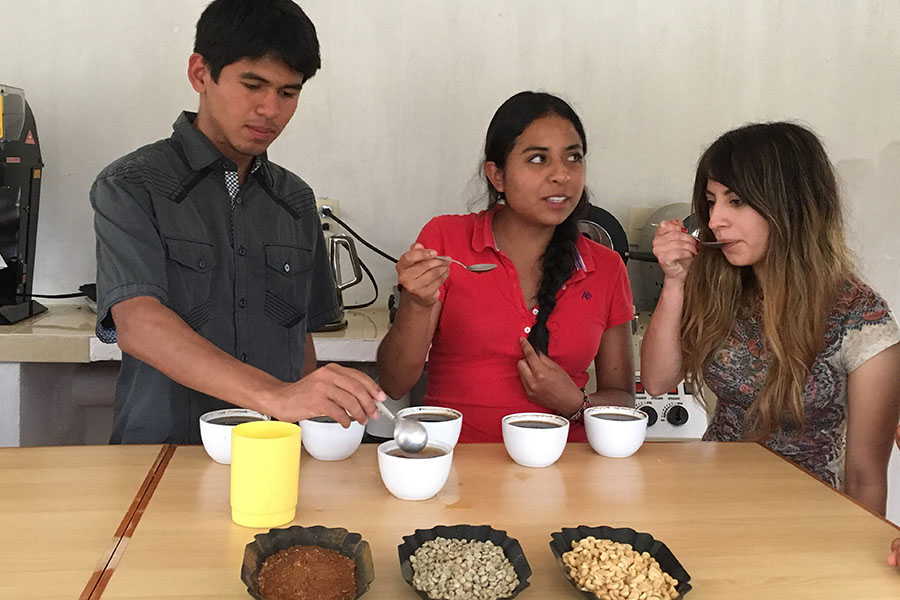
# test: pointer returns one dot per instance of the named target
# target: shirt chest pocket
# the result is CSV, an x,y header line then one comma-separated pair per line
x,y
189,268
287,289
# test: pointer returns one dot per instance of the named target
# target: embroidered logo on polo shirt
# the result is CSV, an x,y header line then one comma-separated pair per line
x,y
586,295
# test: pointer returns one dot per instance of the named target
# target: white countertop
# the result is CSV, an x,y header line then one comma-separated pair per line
x,y
65,334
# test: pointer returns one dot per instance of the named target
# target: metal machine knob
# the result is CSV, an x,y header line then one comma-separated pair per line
x,y
677,415
651,413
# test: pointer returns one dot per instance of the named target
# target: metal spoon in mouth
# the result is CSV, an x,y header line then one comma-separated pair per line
x,y
696,235
409,435
476,268
716,244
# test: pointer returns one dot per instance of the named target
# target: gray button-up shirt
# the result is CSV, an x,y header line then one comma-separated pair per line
x,y
245,267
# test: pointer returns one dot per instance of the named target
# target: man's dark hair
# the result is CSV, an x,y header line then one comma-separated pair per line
x,y
231,30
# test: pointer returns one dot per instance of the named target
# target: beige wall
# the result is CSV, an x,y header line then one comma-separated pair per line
x,y
393,125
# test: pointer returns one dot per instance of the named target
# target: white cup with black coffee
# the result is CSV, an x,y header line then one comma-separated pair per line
x,y
535,439
615,431
441,424
326,439
414,475
215,430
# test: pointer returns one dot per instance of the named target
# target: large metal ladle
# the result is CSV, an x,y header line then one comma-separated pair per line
x,y
409,435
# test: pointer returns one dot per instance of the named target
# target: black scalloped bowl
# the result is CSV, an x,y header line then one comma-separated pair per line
x,y
349,544
478,533
561,541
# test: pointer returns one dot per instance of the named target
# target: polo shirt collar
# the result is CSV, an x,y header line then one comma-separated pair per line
x,y
584,259
201,152
483,232
483,238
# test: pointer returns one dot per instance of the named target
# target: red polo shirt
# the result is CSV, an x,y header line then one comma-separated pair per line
x,y
473,356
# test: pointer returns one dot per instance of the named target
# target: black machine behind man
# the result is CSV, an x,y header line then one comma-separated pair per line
x,y
20,189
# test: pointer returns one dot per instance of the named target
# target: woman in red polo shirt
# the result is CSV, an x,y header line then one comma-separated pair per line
x,y
521,337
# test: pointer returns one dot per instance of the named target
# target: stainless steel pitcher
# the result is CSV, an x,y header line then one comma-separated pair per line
x,y
335,243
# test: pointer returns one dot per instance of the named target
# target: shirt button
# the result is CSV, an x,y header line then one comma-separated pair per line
x,y
535,311
237,199
287,268
201,263
244,357
563,286
242,251
242,303
527,330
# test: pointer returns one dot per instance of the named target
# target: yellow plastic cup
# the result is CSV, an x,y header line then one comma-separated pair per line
x,y
265,471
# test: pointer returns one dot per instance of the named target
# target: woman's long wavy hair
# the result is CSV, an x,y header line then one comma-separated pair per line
x,y
558,259
782,171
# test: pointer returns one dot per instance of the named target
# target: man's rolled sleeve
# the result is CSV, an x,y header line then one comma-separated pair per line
x,y
131,259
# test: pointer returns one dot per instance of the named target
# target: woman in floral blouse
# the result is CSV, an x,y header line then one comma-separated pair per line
x,y
800,353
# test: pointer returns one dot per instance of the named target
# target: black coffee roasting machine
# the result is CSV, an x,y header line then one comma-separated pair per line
x,y
20,188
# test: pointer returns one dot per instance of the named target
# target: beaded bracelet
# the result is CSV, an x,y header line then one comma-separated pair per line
x,y
579,414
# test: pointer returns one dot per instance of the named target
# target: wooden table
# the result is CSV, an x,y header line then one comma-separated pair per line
x,y
63,512
744,522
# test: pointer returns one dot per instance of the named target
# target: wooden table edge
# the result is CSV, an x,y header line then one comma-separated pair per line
x,y
106,565
832,488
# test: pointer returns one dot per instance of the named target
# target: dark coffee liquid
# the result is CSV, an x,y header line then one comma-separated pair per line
x,y
430,417
323,420
615,417
536,424
427,452
236,420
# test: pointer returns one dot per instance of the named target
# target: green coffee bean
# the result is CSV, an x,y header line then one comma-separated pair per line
x,y
452,569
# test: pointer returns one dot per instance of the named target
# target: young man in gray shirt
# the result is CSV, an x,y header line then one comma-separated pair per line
x,y
211,264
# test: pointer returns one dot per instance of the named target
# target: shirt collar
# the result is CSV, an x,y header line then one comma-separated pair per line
x,y
584,259
483,238
483,232
200,152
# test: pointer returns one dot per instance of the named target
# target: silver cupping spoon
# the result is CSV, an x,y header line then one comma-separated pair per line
x,y
696,235
476,268
409,435
716,244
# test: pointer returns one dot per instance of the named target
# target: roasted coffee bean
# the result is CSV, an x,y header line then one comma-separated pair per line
x,y
614,571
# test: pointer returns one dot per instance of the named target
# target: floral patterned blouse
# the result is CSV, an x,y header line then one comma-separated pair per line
x,y
860,326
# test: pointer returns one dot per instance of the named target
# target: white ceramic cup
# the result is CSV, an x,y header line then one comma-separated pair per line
x,y
325,439
615,431
441,424
216,437
414,478
535,439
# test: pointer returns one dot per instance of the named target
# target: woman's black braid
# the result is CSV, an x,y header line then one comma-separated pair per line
x,y
557,265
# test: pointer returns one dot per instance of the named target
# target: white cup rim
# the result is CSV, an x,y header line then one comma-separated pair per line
x,y
536,416
616,410
440,410
231,412
385,447
328,423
